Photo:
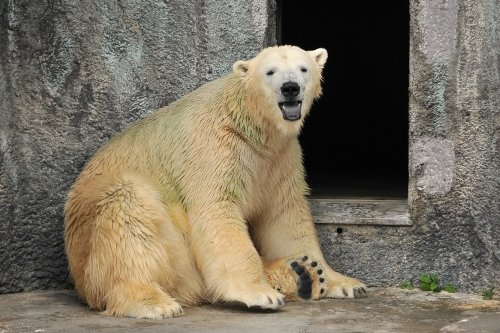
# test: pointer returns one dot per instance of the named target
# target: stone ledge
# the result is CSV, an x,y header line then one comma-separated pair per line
x,y
360,211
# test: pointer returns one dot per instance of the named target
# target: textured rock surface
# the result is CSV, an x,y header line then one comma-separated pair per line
x,y
454,190
72,73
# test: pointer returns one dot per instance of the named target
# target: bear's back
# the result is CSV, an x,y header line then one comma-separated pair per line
x,y
169,129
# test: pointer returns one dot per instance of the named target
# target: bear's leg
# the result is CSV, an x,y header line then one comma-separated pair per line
x,y
287,230
231,266
130,264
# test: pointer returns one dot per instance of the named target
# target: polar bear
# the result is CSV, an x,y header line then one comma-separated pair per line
x,y
205,200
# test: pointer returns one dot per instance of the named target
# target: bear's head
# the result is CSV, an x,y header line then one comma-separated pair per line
x,y
281,84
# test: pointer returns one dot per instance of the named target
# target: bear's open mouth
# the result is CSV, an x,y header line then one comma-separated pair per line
x,y
291,110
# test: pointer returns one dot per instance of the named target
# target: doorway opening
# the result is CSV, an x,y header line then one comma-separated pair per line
x,y
355,140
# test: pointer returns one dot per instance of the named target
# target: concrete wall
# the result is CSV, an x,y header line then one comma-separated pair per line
x,y
454,190
72,73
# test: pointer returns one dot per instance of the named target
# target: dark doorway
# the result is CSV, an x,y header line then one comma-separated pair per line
x,y
355,140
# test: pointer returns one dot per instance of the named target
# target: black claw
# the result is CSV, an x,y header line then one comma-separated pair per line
x,y
321,280
356,293
322,291
293,264
304,258
345,292
270,300
320,271
280,302
360,292
314,264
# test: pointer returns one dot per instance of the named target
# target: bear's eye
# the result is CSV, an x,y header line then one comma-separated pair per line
x,y
303,69
270,72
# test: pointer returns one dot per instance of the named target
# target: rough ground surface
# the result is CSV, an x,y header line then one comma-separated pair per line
x,y
385,310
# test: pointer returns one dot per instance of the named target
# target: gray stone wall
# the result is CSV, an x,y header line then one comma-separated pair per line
x,y
454,190
72,73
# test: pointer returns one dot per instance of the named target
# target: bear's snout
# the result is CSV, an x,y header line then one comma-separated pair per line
x,y
291,106
290,89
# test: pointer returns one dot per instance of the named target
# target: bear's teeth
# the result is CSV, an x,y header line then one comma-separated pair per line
x,y
291,110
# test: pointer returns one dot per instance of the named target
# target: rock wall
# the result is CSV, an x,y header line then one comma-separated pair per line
x,y
454,189
72,73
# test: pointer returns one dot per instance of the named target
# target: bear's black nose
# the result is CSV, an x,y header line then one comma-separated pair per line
x,y
290,89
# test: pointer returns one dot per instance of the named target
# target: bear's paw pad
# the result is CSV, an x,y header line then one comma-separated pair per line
x,y
307,271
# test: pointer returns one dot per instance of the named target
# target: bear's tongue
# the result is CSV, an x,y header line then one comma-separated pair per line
x,y
291,110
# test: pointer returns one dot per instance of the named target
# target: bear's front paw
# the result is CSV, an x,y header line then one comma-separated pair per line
x,y
263,297
340,286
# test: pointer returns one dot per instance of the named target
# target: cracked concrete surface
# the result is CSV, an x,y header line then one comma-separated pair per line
x,y
385,310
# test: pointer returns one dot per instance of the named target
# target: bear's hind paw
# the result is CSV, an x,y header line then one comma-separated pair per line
x,y
310,276
299,278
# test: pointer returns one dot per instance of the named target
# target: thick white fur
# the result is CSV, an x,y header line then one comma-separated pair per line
x,y
187,205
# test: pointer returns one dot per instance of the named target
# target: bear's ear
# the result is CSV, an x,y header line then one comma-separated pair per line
x,y
319,55
240,67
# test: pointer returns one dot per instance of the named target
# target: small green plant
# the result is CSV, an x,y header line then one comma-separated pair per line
x,y
487,294
450,288
429,282
407,285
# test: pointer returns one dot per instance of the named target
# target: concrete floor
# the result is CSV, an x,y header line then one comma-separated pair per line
x,y
385,310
